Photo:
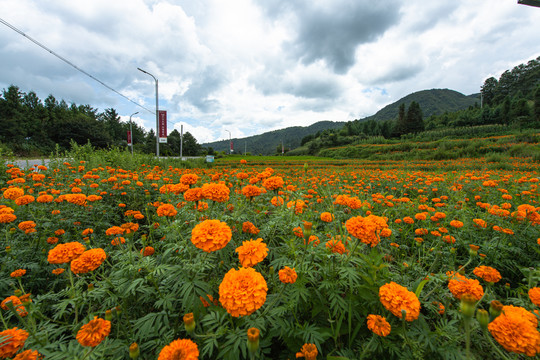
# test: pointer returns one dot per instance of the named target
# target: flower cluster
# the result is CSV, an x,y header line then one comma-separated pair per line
x,y
64,253
366,229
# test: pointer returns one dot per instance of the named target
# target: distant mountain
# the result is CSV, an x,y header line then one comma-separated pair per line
x,y
432,102
268,142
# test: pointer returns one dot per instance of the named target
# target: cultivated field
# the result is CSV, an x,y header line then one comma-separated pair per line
x,y
109,257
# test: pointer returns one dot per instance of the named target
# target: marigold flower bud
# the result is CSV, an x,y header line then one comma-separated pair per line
x,y
18,292
189,322
253,339
495,308
108,315
483,318
473,250
90,287
134,351
468,304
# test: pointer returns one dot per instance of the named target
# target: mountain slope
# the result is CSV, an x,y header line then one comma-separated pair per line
x,y
268,142
432,102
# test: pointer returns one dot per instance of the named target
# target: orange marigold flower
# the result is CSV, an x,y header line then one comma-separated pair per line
x,y
147,251
94,332
189,179
130,227
58,271
515,329
115,230
249,227
64,253
6,218
211,235
460,285
166,210
87,231
336,246
77,199
183,349
242,292
287,275
13,299
118,240
487,273
44,199
28,355
18,273
193,194
277,201
456,223
309,351
210,297
11,341
25,225
24,200
273,183
366,229
327,217
396,298
52,240
534,295
378,325
250,191
89,260
479,223
215,192
252,252
13,193
59,232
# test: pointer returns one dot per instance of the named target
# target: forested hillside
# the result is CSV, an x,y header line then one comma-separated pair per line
x,y
270,143
512,101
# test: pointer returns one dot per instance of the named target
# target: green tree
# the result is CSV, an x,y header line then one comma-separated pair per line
x,y
536,106
12,116
190,145
400,127
488,90
414,122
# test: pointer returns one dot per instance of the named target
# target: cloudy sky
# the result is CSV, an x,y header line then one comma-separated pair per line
x,y
250,66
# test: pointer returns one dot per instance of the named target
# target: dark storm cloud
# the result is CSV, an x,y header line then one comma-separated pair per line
x,y
332,33
398,73
202,87
309,86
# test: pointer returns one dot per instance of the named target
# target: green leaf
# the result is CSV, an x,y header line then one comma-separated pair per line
x,y
420,287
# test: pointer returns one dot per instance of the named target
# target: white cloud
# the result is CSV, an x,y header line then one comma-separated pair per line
x,y
250,66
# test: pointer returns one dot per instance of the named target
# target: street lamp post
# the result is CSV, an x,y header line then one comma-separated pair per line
x,y
157,112
131,131
230,150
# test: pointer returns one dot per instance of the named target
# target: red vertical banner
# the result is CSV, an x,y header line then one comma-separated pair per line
x,y
162,126
232,146
129,138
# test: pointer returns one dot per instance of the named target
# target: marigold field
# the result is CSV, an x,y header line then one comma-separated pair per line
x,y
270,259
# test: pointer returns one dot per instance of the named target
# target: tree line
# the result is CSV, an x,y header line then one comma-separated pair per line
x,y
31,127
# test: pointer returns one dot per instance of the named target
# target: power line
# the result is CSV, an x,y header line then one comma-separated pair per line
x,y
70,63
